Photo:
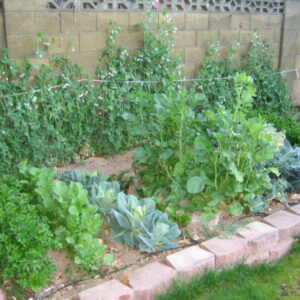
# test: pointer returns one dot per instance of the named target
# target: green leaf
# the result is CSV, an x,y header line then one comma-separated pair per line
x,y
236,208
195,185
139,152
239,176
73,210
166,154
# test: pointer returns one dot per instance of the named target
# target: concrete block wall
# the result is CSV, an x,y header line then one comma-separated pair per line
x,y
291,46
2,30
81,35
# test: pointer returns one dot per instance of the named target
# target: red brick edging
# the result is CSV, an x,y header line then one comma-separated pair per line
x,y
265,241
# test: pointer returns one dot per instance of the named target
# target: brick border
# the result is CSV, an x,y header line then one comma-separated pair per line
x,y
257,242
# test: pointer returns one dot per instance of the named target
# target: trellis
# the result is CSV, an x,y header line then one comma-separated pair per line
x,y
230,6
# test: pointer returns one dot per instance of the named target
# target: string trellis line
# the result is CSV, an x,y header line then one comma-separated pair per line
x,y
65,85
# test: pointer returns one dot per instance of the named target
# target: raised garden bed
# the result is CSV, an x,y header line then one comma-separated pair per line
x,y
128,260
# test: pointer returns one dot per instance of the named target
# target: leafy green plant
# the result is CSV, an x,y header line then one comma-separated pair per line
x,y
215,161
25,237
224,166
47,118
169,135
272,92
132,221
138,224
75,223
281,122
287,161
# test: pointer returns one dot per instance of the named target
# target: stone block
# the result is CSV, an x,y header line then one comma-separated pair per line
x,y
295,209
227,251
185,38
258,258
104,18
260,236
63,43
92,41
275,21
259,21
268,35
245,36
287,223
291,36
228,36
297,61
240,21
109,290
2,295
292,12
296,91
2,33
140,17
37,62
278,36
223,51
288,62
219,21
178,52
291,49
196,21
132,40
243,49
20,45
191,261
24,5
177,18
151,280
194,54
47,22
275,48
189,70
87,61
205,37
81,22
18,23
281,249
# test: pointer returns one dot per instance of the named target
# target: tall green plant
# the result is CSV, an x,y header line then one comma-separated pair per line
x,y
271,89
224,167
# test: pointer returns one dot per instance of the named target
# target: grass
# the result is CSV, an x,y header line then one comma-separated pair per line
x,y
263,282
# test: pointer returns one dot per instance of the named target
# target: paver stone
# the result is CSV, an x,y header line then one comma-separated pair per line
x,y
151,280
109,290
190,261
287,223
260,236
227,251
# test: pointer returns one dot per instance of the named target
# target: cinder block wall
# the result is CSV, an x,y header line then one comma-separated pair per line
x,y
290,56
2,29
81,35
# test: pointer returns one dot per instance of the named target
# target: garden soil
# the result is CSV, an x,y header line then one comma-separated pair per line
x,y
127,259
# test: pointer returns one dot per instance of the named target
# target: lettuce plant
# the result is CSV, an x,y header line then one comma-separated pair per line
x,y
75,224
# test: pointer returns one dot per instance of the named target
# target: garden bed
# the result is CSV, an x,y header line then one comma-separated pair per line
x,y
127,259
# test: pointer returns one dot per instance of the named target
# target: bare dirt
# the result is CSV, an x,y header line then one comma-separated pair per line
x,y
126,259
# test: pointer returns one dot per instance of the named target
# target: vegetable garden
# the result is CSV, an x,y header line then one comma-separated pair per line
x,y
225,142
